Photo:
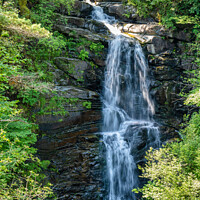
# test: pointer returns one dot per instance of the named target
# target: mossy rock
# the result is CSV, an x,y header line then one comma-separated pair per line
x,y
23,8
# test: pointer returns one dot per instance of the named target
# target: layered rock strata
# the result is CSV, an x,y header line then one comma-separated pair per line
x,y
72,142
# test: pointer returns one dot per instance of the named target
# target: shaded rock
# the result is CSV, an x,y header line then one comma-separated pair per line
x,y
79,72
188,63
159,45
170,131
182,35
78,22
81,8
59,76
119,10
97,27
116,9
161,60
75,21
77,32
144,29
75,174
72,145
141,139
163,73
72,67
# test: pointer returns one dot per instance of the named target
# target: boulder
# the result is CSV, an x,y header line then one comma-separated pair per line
x,y
75,21
96,27
119,10
116,9
159,45
144,29
81,9
153,28
79,72
77,32
78,22
73,67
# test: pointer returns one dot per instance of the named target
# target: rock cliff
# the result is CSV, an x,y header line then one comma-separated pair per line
x,y
72,143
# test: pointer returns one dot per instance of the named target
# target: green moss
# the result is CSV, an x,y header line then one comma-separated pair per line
x,y
23,8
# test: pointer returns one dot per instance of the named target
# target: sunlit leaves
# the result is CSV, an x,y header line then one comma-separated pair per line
x,y
169,179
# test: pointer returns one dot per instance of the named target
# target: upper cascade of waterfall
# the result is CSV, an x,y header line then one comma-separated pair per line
x,y
109,21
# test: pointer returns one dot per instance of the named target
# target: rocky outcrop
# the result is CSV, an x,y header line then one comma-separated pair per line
x,y
71,143
80,9
167,70
153,28
122,12
119,10
73,71
79,32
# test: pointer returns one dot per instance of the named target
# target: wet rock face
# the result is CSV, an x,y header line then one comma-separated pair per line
x,y
76,164
72,142
167,72
73,71
167,63
158,45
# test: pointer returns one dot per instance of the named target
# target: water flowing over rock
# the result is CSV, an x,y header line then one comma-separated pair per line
x,y
136,82
127,111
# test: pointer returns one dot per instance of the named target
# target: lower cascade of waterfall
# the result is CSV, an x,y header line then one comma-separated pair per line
x,y
128,110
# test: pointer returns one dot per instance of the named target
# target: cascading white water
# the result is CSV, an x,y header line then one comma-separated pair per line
x,y
127,112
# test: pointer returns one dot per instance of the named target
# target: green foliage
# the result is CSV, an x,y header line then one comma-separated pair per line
x,y
96,47
93,65
54,106
19,169
27,52
87,104
9,20
45,11
84,55
42,54
23,8
169,178
169,12
188,150
29,97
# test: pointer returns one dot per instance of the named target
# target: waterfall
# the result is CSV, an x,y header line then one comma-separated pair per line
x,y
128,109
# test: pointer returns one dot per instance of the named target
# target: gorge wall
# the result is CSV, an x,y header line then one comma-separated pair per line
x,y
72,143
